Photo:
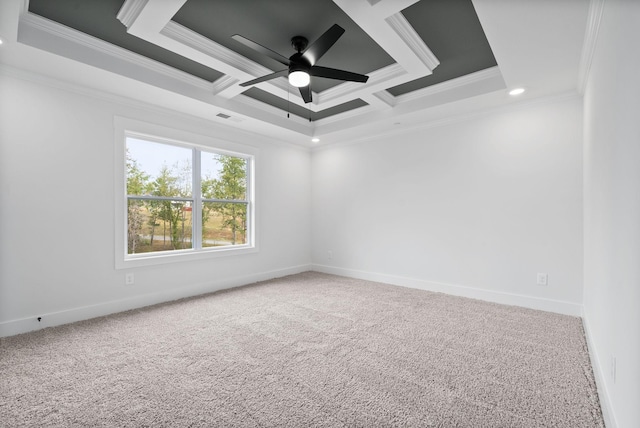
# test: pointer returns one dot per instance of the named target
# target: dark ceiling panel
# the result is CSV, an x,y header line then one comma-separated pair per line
x,y
266,97
273,23
453,32
98,18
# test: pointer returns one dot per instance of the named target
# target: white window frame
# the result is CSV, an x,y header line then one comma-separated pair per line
x,y
126,128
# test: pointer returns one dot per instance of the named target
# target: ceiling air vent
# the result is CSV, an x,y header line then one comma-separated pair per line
x,y
223,116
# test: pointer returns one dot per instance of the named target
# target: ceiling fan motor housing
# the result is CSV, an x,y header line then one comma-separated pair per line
x,y
298,63
299,43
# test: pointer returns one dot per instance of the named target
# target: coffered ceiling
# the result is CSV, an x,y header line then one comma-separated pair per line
x,y
425,59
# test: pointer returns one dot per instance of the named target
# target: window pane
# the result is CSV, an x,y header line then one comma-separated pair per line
x,y
223,224
223,177
158,169
158,225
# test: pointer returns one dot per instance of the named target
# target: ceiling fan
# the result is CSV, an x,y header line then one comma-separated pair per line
x,y
301,65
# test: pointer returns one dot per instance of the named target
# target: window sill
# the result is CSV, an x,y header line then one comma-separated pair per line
x,y
154,259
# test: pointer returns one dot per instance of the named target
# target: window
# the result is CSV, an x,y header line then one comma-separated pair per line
x,y
183,199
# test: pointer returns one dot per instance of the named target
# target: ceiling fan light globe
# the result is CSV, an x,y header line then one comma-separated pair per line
x,y
299,79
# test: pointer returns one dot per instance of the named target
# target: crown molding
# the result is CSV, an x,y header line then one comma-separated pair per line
x,y
208,122
130,11
273,115
449,120
389,7
43,28
479,76
596,8
405,31
347,115
310,126
223,83
487,76
187,37
380,76
386,97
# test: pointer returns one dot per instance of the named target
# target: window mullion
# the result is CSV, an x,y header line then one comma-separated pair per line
x,y
196,214
249,196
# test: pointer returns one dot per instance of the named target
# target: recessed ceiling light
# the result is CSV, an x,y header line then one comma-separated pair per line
x,y
315,140
516,91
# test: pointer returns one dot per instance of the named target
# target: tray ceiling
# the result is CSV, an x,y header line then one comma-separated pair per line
x,y
418,54
453,31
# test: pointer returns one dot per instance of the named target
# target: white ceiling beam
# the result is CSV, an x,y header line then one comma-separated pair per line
x,y
151,21
391,7
374,22
146,18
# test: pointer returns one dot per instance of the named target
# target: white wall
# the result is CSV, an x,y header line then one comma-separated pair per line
x,y
57,211
476,207
612,210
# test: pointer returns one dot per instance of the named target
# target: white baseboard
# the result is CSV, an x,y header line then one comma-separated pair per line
x,y
599,372
24,325
549,305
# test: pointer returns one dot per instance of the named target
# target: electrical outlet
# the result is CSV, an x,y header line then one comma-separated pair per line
x,y
129,279
329,255
543,279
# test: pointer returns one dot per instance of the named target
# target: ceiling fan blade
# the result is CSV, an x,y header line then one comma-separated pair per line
x,y
259,48
305,91
332,73
320,47
280,73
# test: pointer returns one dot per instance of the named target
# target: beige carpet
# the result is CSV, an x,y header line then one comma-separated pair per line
x,y
309,350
